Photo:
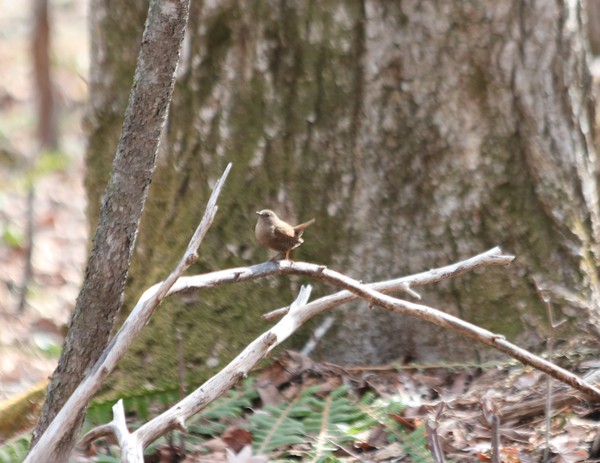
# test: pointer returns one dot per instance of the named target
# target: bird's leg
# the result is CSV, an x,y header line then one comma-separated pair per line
x,y
287,255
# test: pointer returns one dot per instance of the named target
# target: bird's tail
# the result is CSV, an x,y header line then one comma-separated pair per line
x,y
302,226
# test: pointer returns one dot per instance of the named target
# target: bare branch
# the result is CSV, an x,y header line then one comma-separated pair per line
x,y
439,318
493,257
215,387
190,253
98,432
118,346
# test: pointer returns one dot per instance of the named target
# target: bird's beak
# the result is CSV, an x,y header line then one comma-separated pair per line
x,y
257,212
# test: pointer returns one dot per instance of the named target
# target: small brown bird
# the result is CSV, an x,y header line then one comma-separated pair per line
x,y
274,233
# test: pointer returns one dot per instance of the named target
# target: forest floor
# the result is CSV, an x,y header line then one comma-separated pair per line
x,y
295,409
404,399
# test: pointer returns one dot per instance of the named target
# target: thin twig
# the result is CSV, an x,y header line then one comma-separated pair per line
x,y
492,417
433,437
181,374
317,335
544,296
29,243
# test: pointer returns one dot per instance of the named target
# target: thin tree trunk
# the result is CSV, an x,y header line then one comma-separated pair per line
x,y
46,121
593,25
47,131
102,292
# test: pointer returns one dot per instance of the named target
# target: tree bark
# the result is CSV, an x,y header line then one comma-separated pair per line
x,y
593,25
417,133
47,130
102,292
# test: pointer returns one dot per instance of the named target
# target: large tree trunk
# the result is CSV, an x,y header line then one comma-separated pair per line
x,y
417,133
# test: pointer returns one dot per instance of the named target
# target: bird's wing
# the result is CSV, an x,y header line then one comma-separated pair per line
x,y
287,232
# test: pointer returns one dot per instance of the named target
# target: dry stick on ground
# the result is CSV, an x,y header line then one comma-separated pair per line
x,y
549,350
433,437
492,417
122,340
299,313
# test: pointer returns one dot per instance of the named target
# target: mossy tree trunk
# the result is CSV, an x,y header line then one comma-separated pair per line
x,y
417,133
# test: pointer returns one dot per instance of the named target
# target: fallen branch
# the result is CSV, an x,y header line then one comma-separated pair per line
x,y
298,314
437,317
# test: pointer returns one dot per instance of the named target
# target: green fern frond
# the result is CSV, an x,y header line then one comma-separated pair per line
x,y
331,423
415,444
379,412
274,428
279,427
211,421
